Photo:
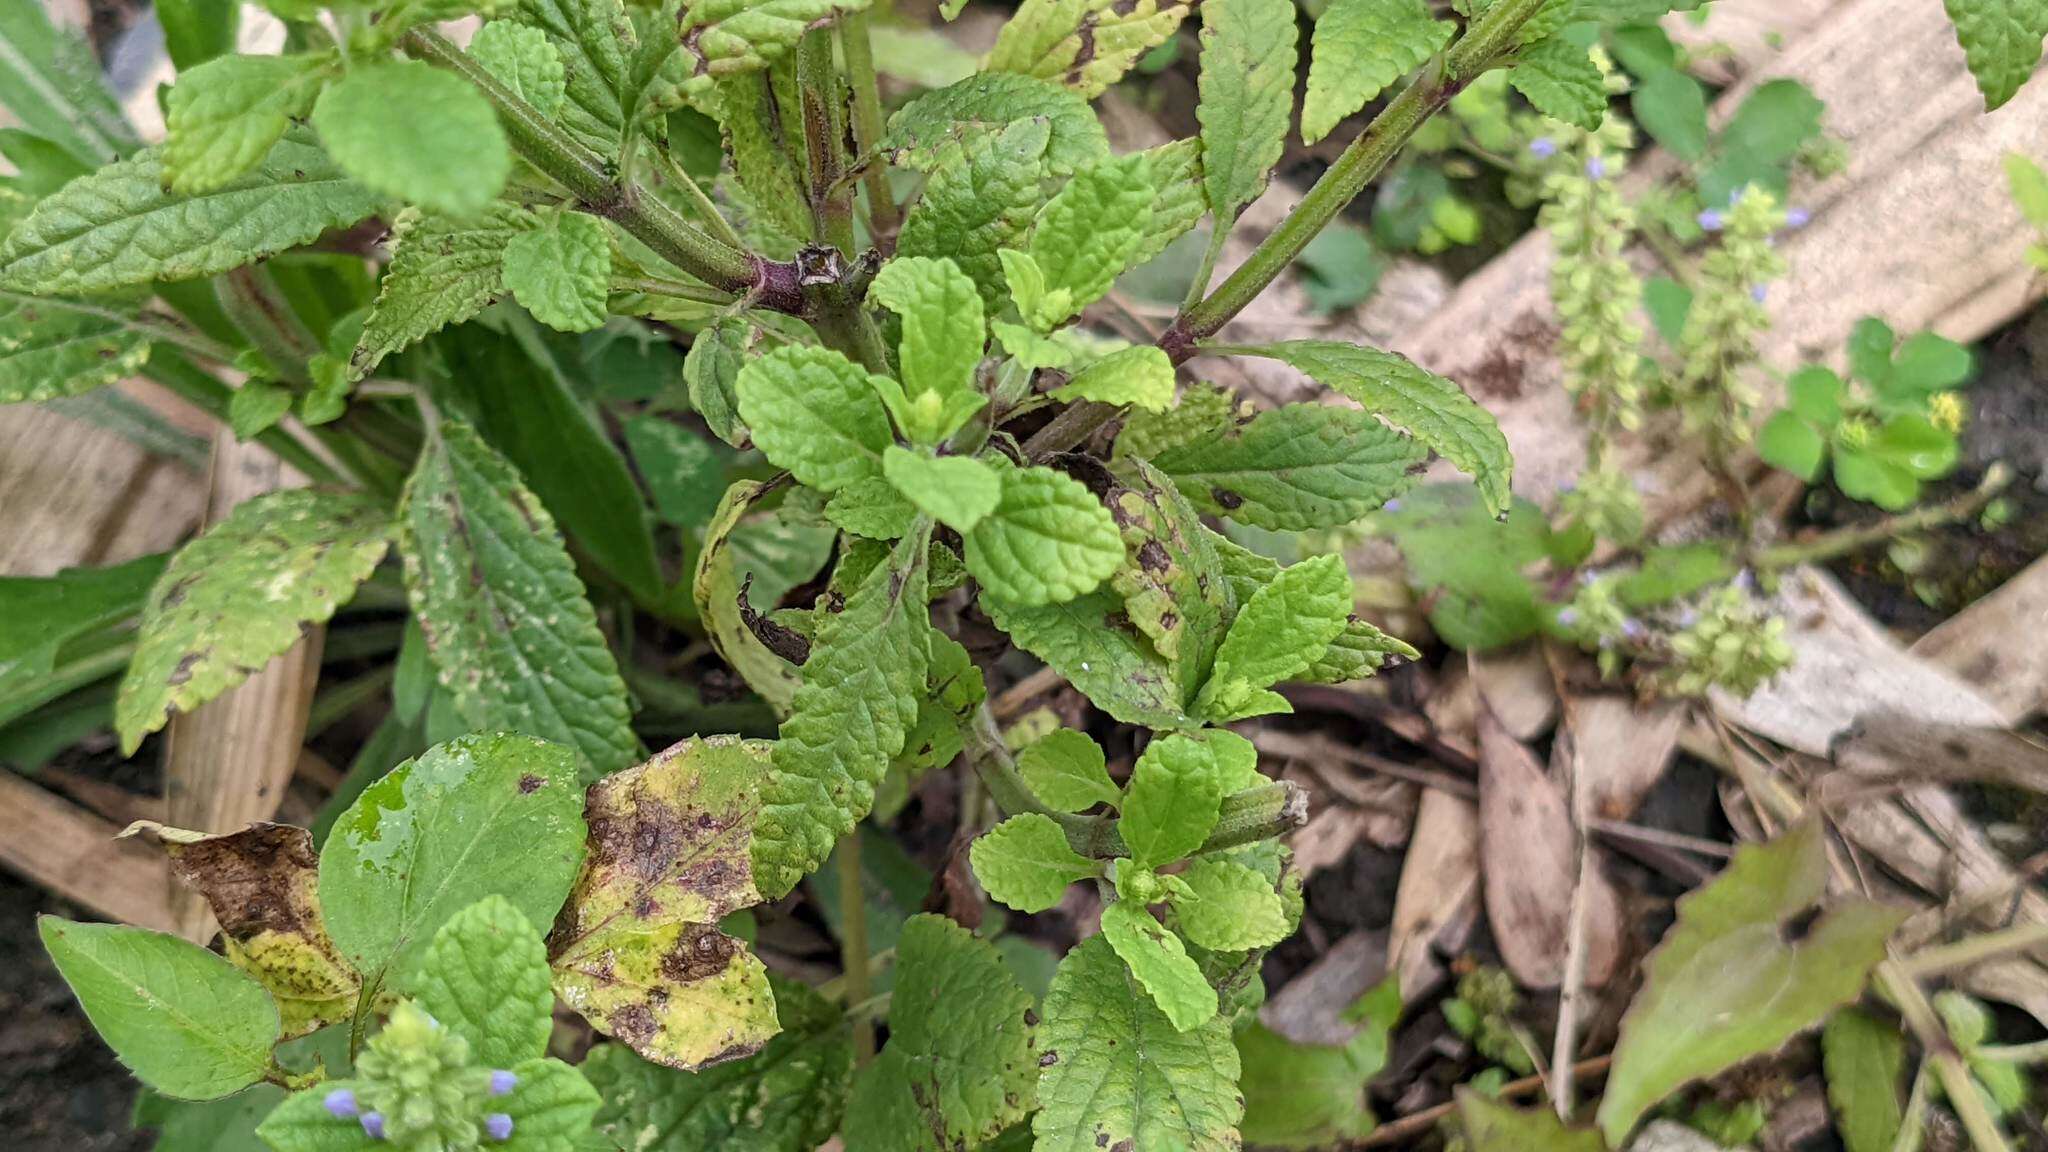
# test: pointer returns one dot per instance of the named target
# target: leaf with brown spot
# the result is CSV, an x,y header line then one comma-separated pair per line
x,y
637,949
1174,587
717,590
263,886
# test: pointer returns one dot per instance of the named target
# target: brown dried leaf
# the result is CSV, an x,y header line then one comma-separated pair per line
x,y
1437,900
1617,749
1516,684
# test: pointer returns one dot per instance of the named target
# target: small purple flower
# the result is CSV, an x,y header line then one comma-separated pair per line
x,y
498,1126
503,1082
1567,487
1688,618
341,1104
373,1125
1758,292
1596,168
1745,580
1633,628
1391,506
1567,617
1711,220
1543,147
1796,218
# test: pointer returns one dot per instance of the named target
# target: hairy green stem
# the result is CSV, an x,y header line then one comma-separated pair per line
x,y
1844,541
824,124
251,300
883,217
1483,45
853,941
1975,950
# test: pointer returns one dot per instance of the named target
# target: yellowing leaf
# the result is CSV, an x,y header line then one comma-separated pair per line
x,y
1085,44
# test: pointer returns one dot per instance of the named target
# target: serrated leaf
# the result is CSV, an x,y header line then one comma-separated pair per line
x,y
560,270
981,197
1296,467
1247,95
1727,984
1864,1057
1026,863
239,596
1179,196
443,271
990,103
1047,541
52,82
1089,233
957,491
1118,1071
1491,1126
1234,908
961,1065
816,413
454,161
1280,631
225,115
1359,48
858,702
716,586
1141,377
1561,80
1203,409
182,1019
709,373
523,59
512,635
1172,801
594,41
1085,44
943,334
1092,644
485,977
1067,770
873,508
785,1098
2001,42
478,816
52,347
89,237
1358,651
723,36
1431,408
1174,588
1161,963
638,951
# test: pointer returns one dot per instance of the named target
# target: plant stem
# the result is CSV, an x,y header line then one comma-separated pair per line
x,y
1482,46
2035,1053
817,83
262,313
592,181
1975,950
853,941
1843,541
1075,424
883,217
719,223
1947,1063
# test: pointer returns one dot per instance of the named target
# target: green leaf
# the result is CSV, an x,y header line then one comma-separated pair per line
x,y
560,270
873,508
1178,199
1915,446
684,470
1278,633
1175,589
990,103
1816,394
785,1098
1341,267
2001,42
1234,908
1772,123
454,161
1175,793
89,236
594,40
237,597
1047,541
53,347
858,702
478,816
443,271
1561,80
1203,409
1864,1057
1360,47
225,115
1871,341
1314,1095
523,59
1296,467
1491,1126
960,1066
1788,442
1093,645
1928,363
2029,188
957,491
1141,377
1089,233
485,977
499,600
182,1019
1161,963
1673,571
1432,409
45,613
1246,97
710,372
1669,303
1067,770
942,340
723,36
981,197
1025,862
815,413
1864,476
1118,1071
52,83
1672,107
638,950
224,1125
1729,983
1085,44
256,406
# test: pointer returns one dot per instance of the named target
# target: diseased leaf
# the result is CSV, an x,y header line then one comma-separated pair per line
x,y
1297,467
1174,587
1491,1126
1432,409
1085,44
716,586
961,1064
638,950
721,36
816,413
512,635
1116,1070
182,1019
1093,645
478,816
1047,541
443,271
1234,908
241,595
454,161
52,347
485,977
1360,47
2001,42
560,270
785,1097
1561,80
1141,377
940,310
1026,863
523,59
1727,983
852,715
1864,1058
1279,632
982,195
225,115
88,237
957,491
1247,95
1067,770
1175,793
